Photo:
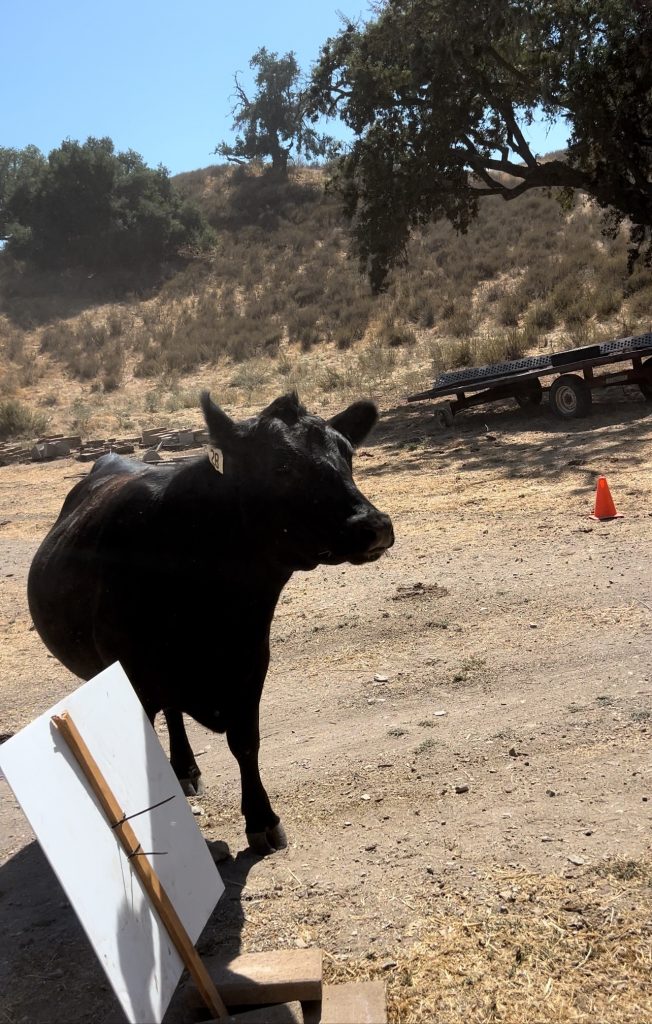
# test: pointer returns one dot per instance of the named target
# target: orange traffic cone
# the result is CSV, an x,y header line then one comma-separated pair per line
x,y
604,503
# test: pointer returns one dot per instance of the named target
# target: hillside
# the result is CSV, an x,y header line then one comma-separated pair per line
x,y
278,304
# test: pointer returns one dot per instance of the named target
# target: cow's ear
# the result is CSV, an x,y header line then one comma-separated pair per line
x,y
221,427
356,421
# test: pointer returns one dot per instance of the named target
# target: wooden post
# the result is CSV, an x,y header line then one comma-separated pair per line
x,y
150,880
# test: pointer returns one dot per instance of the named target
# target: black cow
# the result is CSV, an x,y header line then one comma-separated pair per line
x,y
175,571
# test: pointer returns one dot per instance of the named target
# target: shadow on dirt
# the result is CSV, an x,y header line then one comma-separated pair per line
x,y
223,933
48,971
514,443
224,928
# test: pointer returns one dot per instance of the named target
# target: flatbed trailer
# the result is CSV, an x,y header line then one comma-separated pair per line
x,y
569,394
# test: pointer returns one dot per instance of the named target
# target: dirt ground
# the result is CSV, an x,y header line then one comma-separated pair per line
x,y
456,736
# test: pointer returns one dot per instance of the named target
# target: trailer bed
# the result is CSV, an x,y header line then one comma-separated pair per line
x,y
520,378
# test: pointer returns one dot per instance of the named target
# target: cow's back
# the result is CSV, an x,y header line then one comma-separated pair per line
x,y
66,575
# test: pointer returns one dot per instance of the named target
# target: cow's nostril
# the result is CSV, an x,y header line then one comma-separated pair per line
x,y
373,530
384,533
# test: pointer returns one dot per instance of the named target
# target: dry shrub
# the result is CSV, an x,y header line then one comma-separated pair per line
x,y
12,342
372,366
116,323
510,309
640,305
507,347
541,316
251,375
302,326
178,399
421,309
88,350
331,380
463,353
495,348
9,382
461,324
352,323
202,335
578,311
392,333
17,420
608,302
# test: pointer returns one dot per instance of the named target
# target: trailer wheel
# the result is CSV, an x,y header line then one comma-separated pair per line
x,y
646,385
444,416
529,394
570,397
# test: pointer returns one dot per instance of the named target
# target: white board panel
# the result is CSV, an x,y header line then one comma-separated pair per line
x,y
141,963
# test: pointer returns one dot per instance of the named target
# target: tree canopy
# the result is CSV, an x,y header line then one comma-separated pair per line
x,y
439,94
275,121
87,205
21,171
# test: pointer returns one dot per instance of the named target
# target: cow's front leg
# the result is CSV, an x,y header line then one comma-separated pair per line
x,y
182,758
265,834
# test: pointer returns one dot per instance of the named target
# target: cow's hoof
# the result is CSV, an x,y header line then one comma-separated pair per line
x,y
192,787
276,837
264,843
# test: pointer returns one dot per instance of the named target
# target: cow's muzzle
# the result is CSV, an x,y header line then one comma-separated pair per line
x,y
370,533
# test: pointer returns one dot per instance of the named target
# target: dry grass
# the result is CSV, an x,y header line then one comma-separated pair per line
x,y
19,421
537,951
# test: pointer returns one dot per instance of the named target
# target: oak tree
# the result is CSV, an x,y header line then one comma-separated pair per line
x,y
439,95
90,206
274,122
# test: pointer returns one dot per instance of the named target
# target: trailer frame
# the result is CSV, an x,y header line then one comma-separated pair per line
x,y
569,394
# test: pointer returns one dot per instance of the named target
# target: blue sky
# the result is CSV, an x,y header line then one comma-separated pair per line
x,y
156,77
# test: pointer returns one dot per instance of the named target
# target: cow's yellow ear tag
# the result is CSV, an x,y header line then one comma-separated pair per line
x,y
216,458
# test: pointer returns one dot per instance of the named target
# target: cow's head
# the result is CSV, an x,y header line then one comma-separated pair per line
x,y
293,473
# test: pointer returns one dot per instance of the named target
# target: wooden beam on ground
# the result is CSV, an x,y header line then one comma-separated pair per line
x,y
357,1002
279,976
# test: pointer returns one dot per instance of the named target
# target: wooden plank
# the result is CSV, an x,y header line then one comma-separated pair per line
x,y
282,1013
358,1002
178,440
49,450
153,434
150,880
74,440
275,977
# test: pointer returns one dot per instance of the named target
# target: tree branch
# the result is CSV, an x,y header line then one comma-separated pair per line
x,y
498,57
521,146
506,166
480,168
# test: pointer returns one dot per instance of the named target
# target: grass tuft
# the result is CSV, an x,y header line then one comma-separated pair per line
x,y
19,421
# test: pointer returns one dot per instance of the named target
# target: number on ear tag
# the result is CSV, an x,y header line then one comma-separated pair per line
x,y
216,458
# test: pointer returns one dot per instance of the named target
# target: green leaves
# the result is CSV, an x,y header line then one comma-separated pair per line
x,y
20,174
439,92
275,121
89,206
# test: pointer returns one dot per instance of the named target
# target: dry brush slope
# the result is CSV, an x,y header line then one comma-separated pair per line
x,y
501,605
